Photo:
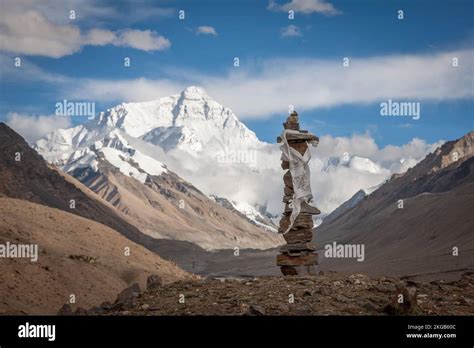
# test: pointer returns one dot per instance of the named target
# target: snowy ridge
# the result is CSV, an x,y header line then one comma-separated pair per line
x,y
249,211
77,147
361,164
190,121
253,214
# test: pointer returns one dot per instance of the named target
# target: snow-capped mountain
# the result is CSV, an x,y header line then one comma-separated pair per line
x,y
189,122
341,180
80,147
257,215
360,164
204,143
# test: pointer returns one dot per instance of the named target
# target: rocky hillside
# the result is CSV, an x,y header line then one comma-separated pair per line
x,y
167,207
411,224
81,238
25,175
163,206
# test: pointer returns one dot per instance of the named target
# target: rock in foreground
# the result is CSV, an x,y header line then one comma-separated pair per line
x,y
324,294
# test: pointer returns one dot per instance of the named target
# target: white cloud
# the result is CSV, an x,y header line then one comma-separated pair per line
x,y
206,30
100,37
268,88
30,32
305,6
334,184
145,40
140,89
33,128
291,31
308,84
332,181
91,12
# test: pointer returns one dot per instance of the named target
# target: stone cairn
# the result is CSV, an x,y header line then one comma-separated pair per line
x,y
298,256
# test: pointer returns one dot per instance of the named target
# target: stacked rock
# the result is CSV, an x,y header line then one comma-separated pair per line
x,y
298,256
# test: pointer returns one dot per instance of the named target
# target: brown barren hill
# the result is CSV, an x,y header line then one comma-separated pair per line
x,y
55,224
418,224
25,175
168,207
76,256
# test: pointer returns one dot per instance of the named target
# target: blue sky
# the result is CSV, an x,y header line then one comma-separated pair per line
x,y
366,31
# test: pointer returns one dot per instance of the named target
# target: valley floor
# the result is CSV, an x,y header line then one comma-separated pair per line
x,y
328,293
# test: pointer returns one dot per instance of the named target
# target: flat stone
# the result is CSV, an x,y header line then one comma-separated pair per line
x,y
306,269
293,117
302,221
299,136
288,191
298,236
287,179
301,260
289,270
309,246
291,125
297,252
305,209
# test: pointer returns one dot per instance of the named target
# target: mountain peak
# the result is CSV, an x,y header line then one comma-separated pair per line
x,y
194,93
191,121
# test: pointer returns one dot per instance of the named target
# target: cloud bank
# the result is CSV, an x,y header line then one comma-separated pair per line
x,y
33,128
30,32
269,87
340,167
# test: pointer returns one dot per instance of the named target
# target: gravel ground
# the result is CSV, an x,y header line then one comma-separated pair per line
x,y
327,293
